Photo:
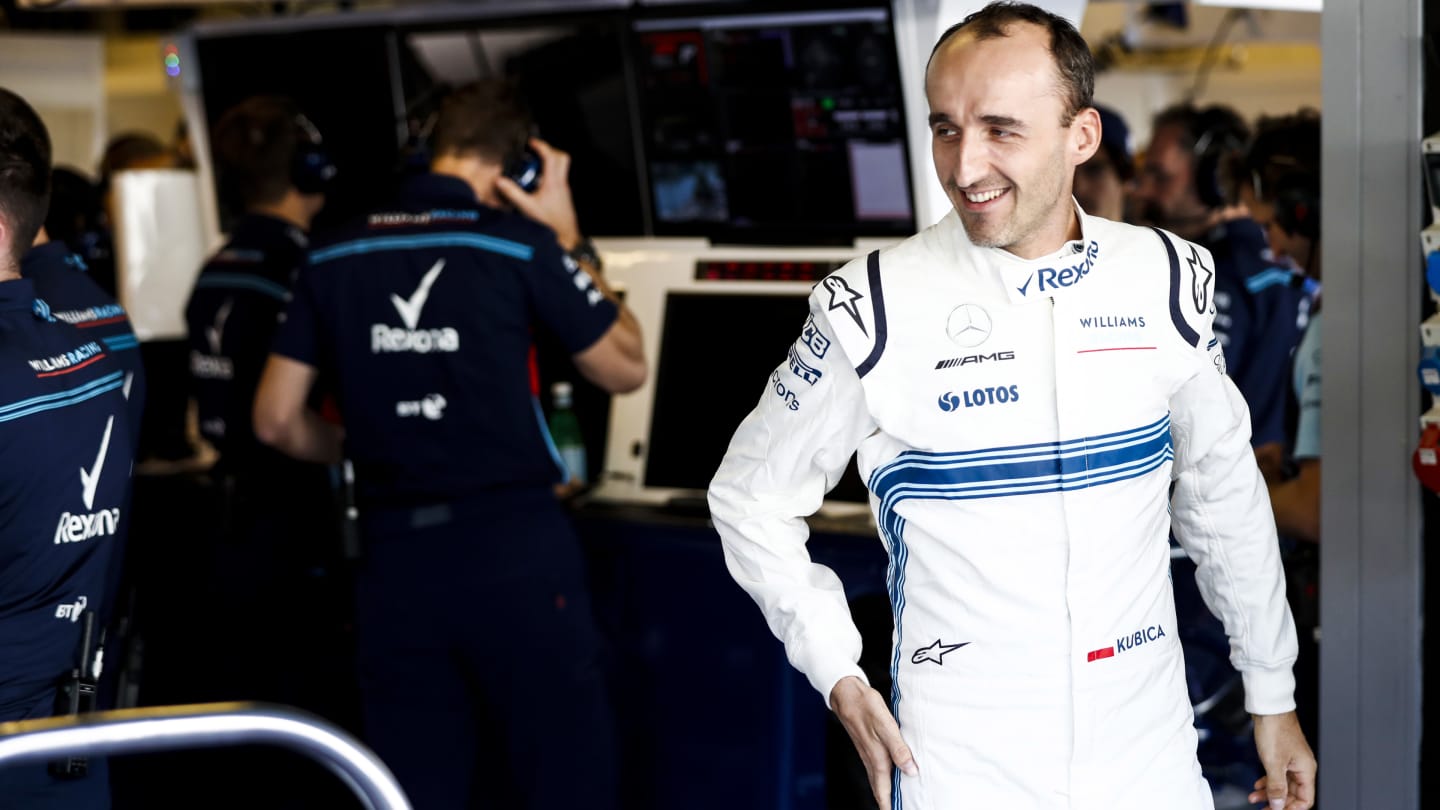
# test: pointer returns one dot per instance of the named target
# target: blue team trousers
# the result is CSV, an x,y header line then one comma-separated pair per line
x,y
479,660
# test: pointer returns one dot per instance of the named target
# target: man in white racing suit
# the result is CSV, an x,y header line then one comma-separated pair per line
x,y
1023,384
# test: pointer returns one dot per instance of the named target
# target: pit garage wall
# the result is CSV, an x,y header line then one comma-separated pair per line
x,y
1371,557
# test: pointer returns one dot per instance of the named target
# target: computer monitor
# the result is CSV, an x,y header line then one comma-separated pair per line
x,y
716,322
774,128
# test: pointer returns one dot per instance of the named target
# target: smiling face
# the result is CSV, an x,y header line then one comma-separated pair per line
x,y
1003,150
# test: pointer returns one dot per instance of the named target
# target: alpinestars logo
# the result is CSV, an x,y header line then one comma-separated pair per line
x,y
935,653
82,527
385,338
842,297
1200,292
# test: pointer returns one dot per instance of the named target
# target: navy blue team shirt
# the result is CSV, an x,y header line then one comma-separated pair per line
x,y
65,456
424,314
62,280
1261,310
231,318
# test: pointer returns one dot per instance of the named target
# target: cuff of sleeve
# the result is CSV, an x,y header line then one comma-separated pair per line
x,y
824,677
1269,691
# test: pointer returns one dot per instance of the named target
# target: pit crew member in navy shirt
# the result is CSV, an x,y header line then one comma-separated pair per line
x,y
472,615
276,546
1261,305
65,455
62,279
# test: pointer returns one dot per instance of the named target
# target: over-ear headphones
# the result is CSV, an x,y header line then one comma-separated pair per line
x,y
1216,142
1297,207
312,169
523,164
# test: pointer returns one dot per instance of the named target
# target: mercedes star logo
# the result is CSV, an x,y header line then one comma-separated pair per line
x,y
969,325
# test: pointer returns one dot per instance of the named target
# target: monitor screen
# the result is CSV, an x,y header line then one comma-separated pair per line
x,y
717,351
770,128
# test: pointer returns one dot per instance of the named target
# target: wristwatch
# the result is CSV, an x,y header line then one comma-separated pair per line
x,y
585,253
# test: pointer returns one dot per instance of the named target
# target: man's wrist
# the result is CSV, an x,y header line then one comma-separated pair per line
x,y
584,252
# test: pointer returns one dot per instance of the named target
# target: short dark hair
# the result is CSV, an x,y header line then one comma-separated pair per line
x,y
255,149
1216,138
24,171
1074,64
1194,123
125,151
1283,148
488,118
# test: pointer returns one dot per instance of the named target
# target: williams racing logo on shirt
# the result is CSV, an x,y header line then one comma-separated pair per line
x,y
1125,644
90,524
92,316
385,339
73,360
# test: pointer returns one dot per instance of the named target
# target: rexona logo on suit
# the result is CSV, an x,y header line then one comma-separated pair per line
x,y
77,528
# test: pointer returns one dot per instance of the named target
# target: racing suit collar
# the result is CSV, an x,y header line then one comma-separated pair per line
x,y
1044,278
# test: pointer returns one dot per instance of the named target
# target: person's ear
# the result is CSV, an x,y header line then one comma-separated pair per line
x,y
1084,135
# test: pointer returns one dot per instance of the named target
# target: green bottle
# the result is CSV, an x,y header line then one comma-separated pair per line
x,y
565,432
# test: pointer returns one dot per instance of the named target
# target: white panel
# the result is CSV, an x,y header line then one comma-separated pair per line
x,y
63,78
159,247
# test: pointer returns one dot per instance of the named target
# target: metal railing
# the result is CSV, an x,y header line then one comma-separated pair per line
x,y
210,725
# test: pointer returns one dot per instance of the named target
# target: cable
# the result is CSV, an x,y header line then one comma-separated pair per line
x,y
1212,52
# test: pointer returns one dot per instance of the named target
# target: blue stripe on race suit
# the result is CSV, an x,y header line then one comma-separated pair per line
x,y
895,585
117,343
243,281
1270,278
999,472
61,399
990,464
504,247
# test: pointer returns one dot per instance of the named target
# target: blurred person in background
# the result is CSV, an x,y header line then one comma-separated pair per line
x,y
280,604
1102,182
65,455
472,578
1186,186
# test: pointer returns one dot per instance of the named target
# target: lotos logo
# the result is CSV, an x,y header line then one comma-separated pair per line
x,y
1053,278
994,395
